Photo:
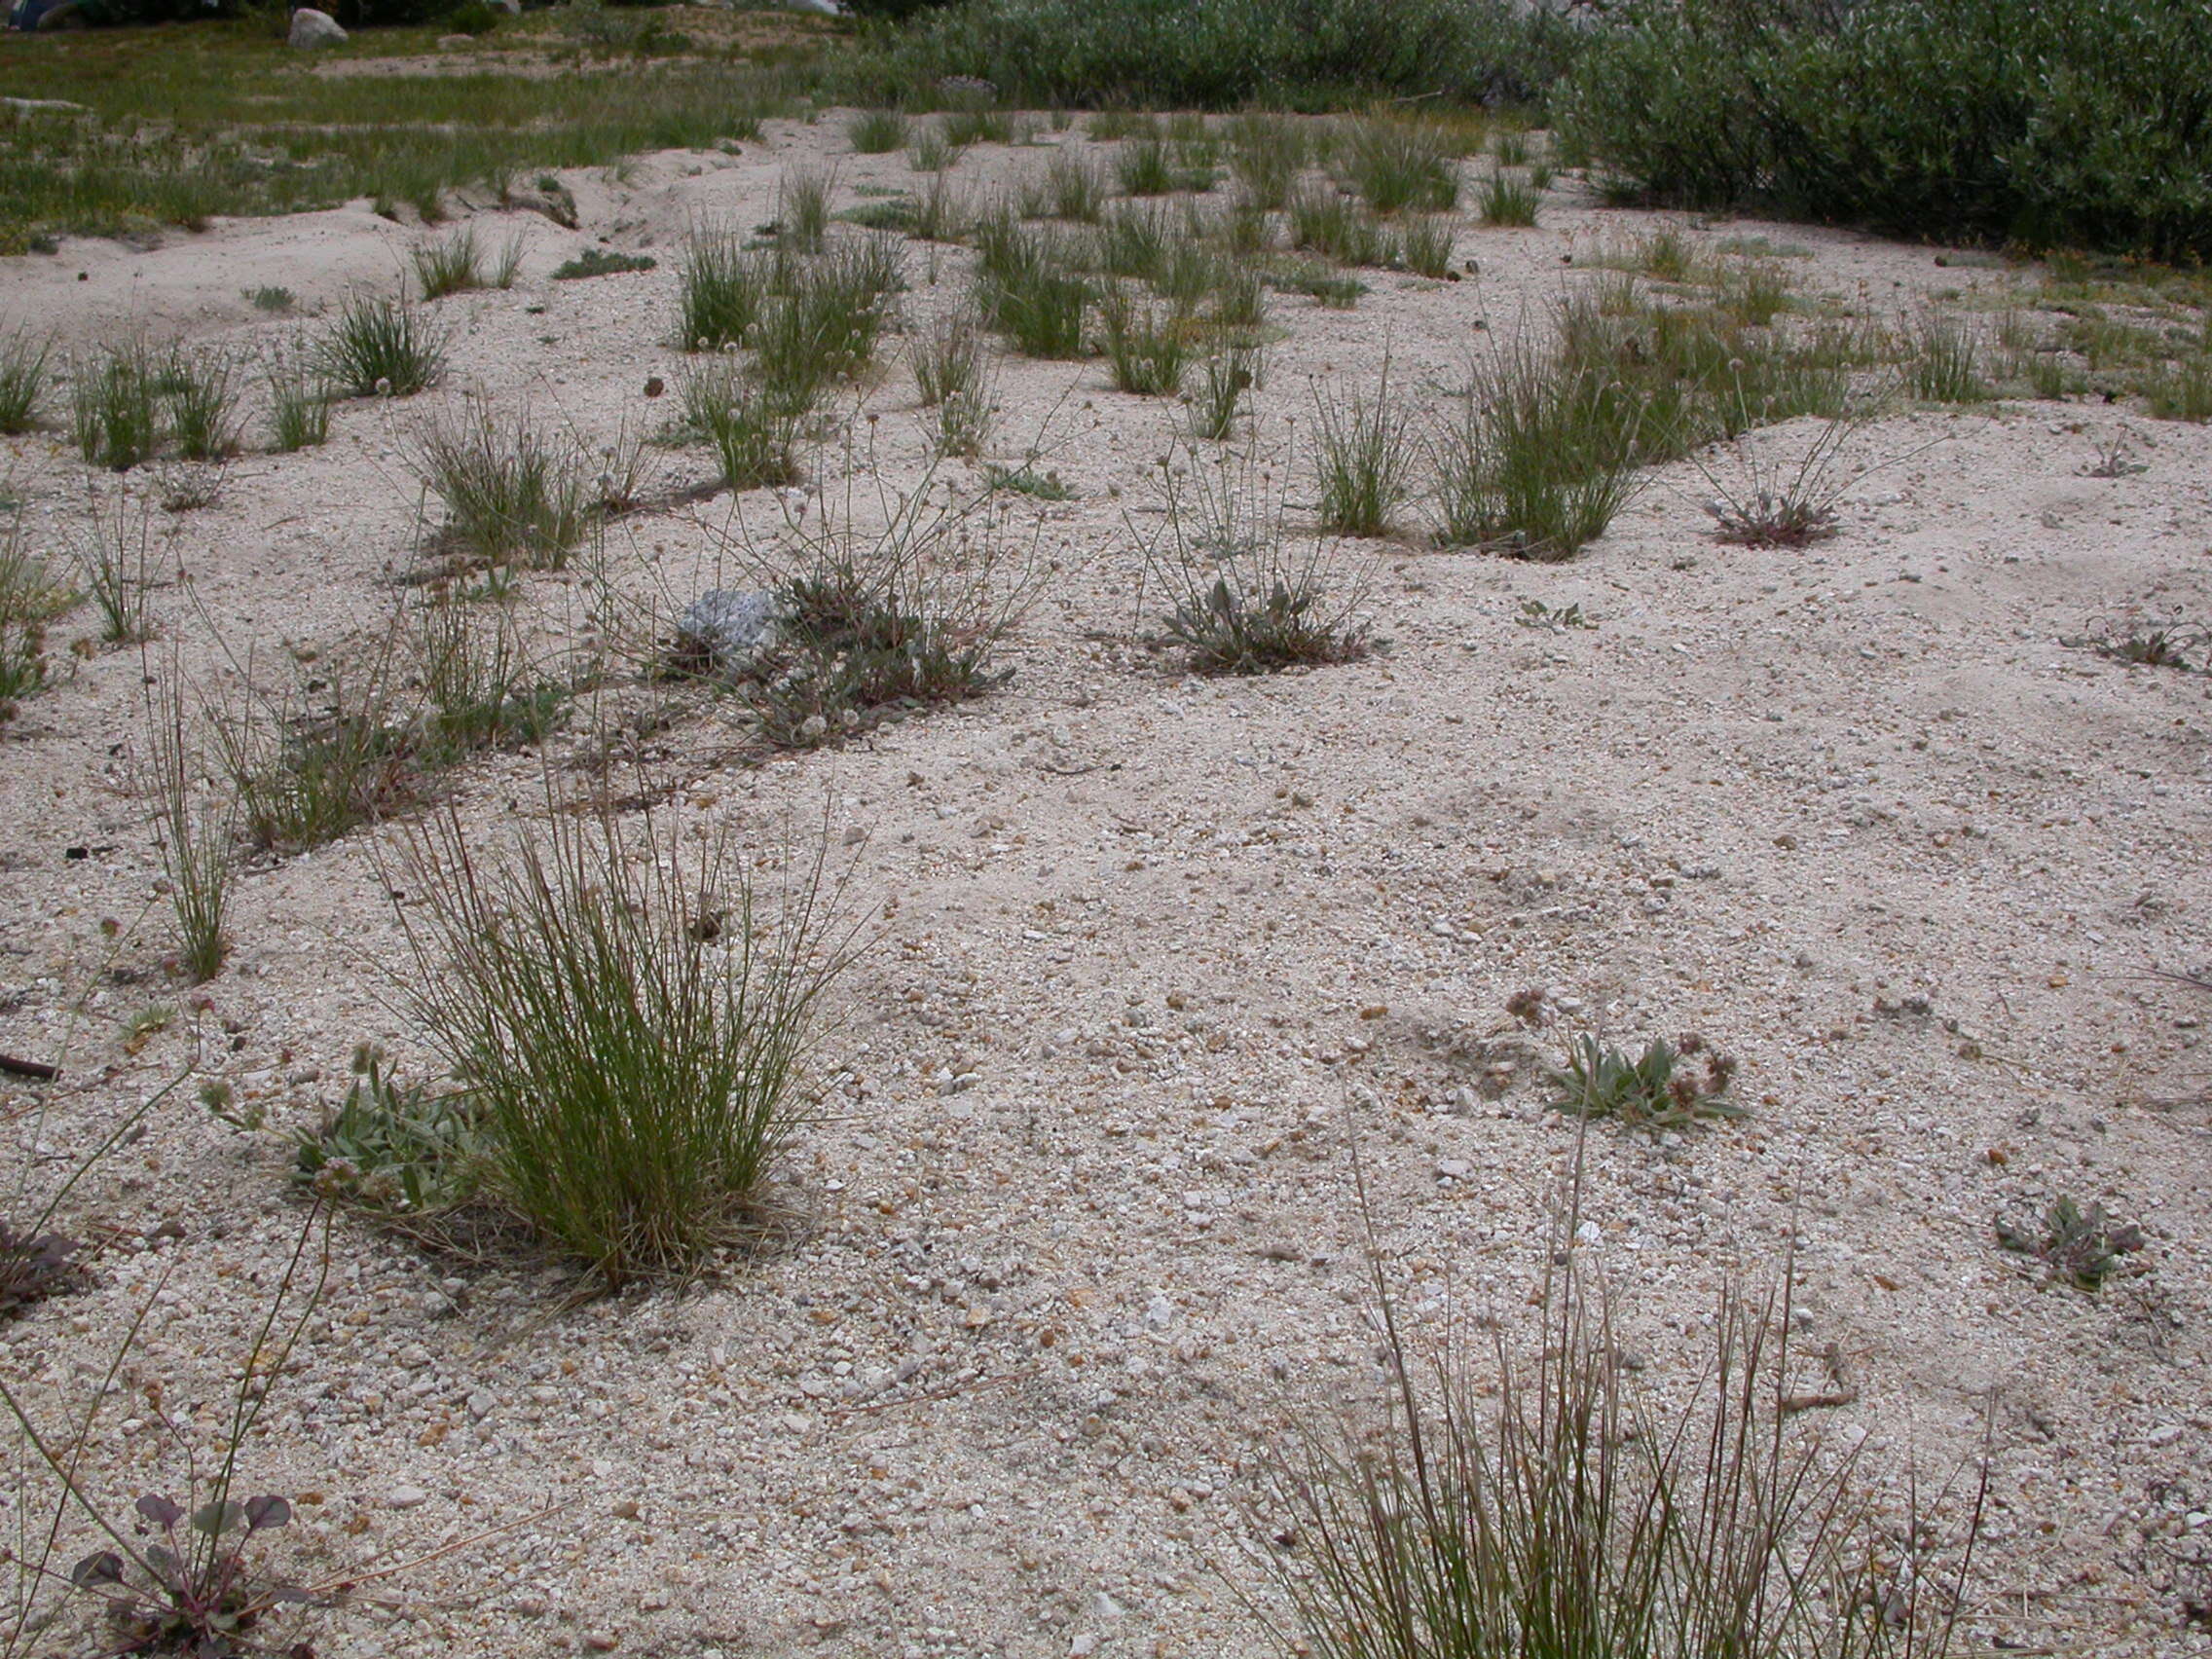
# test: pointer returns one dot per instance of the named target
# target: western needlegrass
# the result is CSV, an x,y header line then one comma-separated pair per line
x,y
1400,164
824,321
115,554
200,392
514,492
1508,198
1265,155
299,399
1144,344
1943,361
1228,378
952,375
802,207
721,287
1331,223
1551,1501
631,1012
1143,168
1075,188
452,265
379,346
1244,595
877,132
1028,287
23,357
754,431
1367,452
480,688
30,597
115,409
195,830
1424,243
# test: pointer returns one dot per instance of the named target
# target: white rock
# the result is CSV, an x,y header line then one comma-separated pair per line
x,y
312,28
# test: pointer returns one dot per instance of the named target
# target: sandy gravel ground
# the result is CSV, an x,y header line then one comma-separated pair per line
x,y
1078,1228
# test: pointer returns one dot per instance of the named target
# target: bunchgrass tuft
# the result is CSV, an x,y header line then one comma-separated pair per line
x,y
1075,188
877,132
1267,153
1508,200
1228,378
115,553
1943,361
514,494
195,831
952,373
802,207
1244,595
299,400
23,379
1142,168
1425,242
1145,346
1029,290
333,753
1551,1501
200,391
30,598
115,409
453,264
1396,165
382,347
631,1012
1366,457
1331,223
721,288
753,432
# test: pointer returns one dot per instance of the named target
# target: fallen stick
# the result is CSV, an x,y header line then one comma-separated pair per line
x,y
37,1070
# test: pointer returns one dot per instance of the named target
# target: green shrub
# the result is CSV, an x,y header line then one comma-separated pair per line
x,y
2067,122
1223,54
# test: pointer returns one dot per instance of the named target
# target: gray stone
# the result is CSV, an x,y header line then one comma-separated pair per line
x,y
312,28
735,627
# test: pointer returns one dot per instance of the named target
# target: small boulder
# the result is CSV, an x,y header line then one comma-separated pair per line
x,y
312,28
732,628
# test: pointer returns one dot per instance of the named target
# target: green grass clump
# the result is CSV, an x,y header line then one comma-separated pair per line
x,y
631,1016
1029,289
877,132
1265,155
1330,223
299,401
1143,168
1145,348
115,411
1547,1498
23,380
802,208
754,432
333,753
201,392
382,347
452,265
1425,242
30,598
513,493
2183,392
1943,364
1400,165
1366,458
1228,378
825,324
721,288
602,262
1076,189
1508,200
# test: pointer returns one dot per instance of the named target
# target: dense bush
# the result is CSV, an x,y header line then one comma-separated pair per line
x,y
2065,122
1220,53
